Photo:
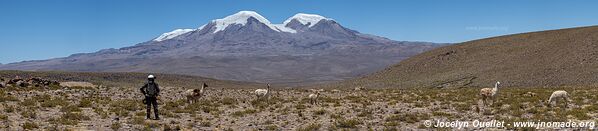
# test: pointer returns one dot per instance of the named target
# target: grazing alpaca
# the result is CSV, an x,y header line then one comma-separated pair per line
x,y
313,98
262,92
359,88
194,94
335,90
560,94
487,93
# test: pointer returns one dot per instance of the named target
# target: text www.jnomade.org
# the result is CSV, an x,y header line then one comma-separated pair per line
x,y
501,124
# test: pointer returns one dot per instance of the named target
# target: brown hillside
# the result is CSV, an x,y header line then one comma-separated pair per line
x,y
565,57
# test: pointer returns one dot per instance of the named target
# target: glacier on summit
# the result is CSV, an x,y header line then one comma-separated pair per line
x,y
241,18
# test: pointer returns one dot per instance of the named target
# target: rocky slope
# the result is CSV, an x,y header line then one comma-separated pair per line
x,y
565,57
125,79
245,46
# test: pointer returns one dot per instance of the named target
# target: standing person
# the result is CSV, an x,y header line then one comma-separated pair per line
x,y
151,90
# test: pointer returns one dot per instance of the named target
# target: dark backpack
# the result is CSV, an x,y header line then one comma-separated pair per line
x,y
151,89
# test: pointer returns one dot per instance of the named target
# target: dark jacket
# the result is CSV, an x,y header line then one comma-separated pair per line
x,y
144,89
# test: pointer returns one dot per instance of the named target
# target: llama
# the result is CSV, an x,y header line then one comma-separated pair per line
x,y
194,94
2,83
560,94
313,98
487,93
260,93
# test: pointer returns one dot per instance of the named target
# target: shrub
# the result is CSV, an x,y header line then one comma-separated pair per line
x,y
100,112
205,124
319,112
72,118
29,114
53,102
347,123
3,117
310,127
70,108
228,101
259,103
9,109
438,113
115,126
4,97
271,128
365,113
580,114
409,118
85,103
29,126
300,106
28,103
123,107
243,113
138,120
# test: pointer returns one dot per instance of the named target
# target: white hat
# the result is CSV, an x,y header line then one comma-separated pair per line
x,y
151,77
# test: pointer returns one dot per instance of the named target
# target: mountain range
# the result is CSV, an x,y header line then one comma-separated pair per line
x,y
245,46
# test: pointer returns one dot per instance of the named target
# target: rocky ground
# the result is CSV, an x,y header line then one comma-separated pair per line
x,y
120,108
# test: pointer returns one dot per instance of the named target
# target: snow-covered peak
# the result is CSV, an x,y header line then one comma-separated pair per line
x,y
201,27
172,34
306,19
241,18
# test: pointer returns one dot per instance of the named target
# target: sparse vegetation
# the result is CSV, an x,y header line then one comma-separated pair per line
x,y
374,109
72,118
30,126
85,103
310,127
3,117
347,123
243,113
115,126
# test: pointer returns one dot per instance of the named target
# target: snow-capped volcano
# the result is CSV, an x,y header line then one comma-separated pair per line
x,y
306,19
241,18
172,34
245,46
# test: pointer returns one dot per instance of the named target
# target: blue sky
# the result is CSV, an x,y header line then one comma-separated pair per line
x,y
42,29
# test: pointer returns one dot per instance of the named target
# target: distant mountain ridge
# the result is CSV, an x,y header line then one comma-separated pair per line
x,y
245,46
